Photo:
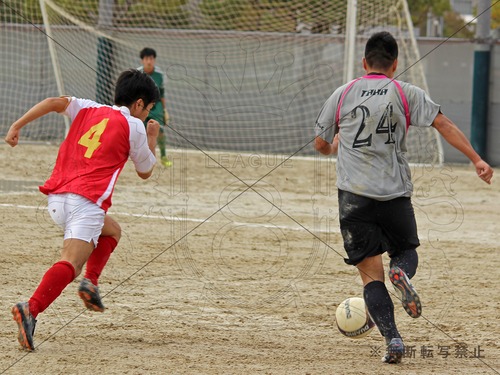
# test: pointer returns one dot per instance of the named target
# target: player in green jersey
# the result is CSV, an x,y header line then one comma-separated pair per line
x,y
159,111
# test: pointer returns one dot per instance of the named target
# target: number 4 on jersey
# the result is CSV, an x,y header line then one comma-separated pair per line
x,y
91,138
385,125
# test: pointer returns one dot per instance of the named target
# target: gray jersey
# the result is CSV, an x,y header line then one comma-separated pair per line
x,y
372,115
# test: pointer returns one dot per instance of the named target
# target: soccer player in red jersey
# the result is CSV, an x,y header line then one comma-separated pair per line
x,y
100,140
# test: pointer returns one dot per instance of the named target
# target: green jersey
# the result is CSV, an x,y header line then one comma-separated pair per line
x,y
157,112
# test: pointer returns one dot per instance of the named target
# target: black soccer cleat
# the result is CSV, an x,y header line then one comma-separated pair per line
x,y
26,324
89,293
408,295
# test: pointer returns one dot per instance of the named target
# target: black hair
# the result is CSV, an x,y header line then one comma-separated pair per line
x,y
381,50
132,85
147,52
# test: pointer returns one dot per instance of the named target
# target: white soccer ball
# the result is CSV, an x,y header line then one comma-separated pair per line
x,y
353,319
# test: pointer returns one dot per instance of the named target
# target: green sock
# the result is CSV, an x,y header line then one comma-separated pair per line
x,y
161,144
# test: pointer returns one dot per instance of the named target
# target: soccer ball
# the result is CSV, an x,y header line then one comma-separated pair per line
x,y
352,318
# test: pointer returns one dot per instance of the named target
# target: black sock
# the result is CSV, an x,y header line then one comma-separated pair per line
x,y
381,308
407,261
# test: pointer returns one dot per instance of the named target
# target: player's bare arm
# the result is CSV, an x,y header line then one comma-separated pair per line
x,y
38,110
455,137
152,130
327,148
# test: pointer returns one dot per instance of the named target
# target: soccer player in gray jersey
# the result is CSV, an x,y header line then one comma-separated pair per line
x,y
365,123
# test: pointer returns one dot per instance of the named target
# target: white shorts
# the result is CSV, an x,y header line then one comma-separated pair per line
x,y
79,217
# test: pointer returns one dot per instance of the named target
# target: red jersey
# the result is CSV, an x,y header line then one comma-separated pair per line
x,y
95,151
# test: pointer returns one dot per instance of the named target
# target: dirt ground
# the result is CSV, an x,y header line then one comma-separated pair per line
x,y
214,277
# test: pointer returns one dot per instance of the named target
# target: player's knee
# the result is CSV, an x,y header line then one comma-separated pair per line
x,y
117,233
112,229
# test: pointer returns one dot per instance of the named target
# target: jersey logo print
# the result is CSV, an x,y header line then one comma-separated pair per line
x,y
372,92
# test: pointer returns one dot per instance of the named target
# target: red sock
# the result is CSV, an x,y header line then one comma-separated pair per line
x,y
53,283
99,258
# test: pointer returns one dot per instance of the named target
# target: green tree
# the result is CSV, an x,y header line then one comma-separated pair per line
x,y
322,15
455,25
419,10
272,15
84,10
495,14
27,11
152,13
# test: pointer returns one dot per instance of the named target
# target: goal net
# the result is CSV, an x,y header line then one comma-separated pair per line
x,y
243,76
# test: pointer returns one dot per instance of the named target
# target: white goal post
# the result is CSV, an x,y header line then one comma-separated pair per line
x,y
240,76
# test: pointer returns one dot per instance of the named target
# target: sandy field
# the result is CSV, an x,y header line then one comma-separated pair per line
x,y
233,264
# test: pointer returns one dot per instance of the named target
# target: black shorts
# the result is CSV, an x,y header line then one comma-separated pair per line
x,y
370,227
